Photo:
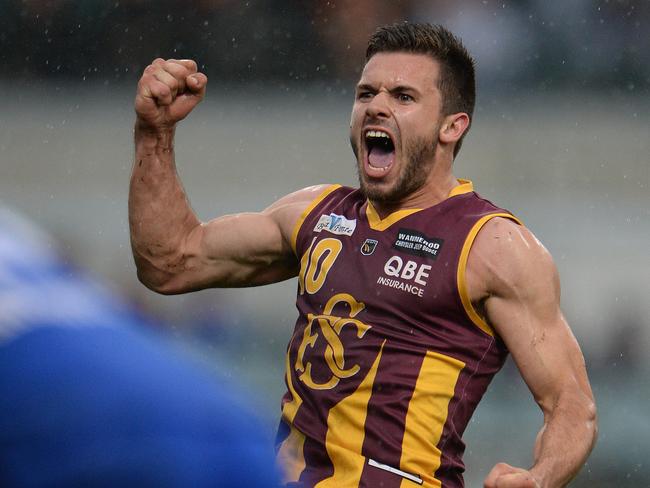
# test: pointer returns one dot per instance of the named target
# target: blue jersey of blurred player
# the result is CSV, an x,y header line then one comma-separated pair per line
x,y
88,398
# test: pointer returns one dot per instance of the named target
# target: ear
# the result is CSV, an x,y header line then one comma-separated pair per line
x,y
453,127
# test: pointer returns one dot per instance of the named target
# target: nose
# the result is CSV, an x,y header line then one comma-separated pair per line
x,y
378,107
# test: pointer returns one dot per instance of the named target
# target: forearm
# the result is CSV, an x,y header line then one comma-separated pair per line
x,y
565,441
160,216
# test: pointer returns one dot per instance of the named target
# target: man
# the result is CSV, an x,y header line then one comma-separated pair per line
x,y
89,398
411,289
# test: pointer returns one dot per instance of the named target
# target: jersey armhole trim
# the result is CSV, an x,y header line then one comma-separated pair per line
x,y
474,316
306,212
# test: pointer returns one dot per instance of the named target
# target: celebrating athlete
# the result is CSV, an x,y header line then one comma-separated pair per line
x,y
412,289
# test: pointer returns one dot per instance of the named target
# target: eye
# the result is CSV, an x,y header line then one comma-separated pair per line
x,y
405,98
364,95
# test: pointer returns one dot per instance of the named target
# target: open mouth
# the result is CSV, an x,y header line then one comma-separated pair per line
x,y
381,149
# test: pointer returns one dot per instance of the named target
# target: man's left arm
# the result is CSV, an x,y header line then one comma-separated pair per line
x,y
518,290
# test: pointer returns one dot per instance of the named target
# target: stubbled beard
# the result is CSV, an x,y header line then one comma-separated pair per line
x,y
419,157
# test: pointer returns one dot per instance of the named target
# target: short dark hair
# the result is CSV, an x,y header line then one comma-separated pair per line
x,y
457,80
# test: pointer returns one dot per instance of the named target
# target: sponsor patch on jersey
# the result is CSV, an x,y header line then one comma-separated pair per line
x,y
336,224
368,247
414,242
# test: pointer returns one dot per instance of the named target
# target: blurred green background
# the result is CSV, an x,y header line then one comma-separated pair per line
x,y
561,137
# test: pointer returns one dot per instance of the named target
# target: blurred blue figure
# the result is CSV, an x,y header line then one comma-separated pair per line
x,y
89,399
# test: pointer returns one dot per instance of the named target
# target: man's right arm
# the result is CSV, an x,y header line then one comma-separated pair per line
x,y
174,252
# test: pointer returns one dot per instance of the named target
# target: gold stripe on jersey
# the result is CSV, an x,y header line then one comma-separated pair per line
x,y
426,417
377,223
346,432
290,409
307,211
291,457
462,268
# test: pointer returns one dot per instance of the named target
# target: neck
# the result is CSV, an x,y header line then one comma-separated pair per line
x,y
435,190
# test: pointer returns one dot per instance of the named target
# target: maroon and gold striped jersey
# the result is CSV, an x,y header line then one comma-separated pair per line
x,y
388,358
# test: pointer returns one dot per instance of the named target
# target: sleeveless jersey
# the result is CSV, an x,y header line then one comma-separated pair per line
x,y
388,358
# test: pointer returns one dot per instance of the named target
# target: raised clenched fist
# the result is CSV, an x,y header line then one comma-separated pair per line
x,y
505,476
167,92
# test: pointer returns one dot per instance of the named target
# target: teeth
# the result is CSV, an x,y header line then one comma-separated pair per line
x,y
377,133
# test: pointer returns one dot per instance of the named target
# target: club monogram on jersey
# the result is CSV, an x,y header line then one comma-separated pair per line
x,y
328,327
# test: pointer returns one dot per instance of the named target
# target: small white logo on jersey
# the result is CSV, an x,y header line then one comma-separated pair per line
x,y
368,247
336,224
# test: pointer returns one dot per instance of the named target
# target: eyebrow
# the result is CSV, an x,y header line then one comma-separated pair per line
x,y
365,86
397,89
403,88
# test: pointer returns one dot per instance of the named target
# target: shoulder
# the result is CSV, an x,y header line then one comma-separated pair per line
x,y
303,197
507,260
293,205
291,210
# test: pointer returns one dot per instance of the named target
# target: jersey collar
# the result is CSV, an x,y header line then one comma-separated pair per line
x,y
377,223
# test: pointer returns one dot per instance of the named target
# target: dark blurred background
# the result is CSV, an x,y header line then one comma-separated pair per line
x,y
583,44
560,137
